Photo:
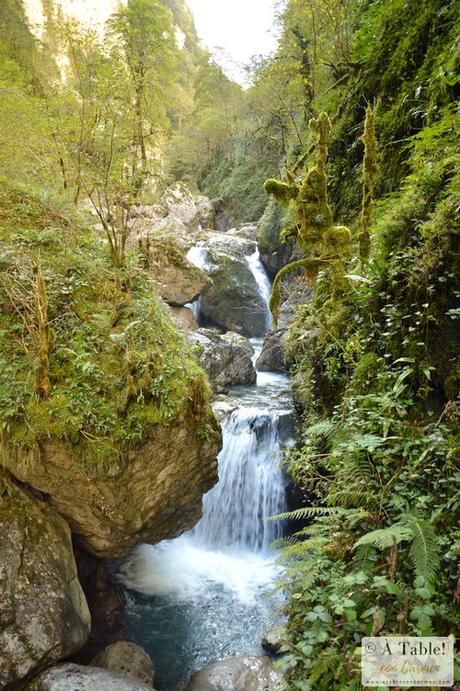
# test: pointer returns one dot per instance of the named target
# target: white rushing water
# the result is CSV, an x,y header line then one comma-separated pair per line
x,y
263,282
206,595
250,488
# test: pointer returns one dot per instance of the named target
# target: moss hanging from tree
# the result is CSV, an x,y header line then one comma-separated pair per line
x,y
370,169
312,225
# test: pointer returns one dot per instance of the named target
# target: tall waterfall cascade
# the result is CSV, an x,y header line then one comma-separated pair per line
x,y
210,588
250,490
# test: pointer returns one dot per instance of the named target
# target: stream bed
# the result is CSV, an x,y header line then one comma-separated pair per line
x,y
209,594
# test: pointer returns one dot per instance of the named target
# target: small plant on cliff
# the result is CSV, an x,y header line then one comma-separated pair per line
x,y
312,228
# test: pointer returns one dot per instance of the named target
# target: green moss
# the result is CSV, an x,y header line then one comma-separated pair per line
x,y
108,384
370,169
281,191
312,225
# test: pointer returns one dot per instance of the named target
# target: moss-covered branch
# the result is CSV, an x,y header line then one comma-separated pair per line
x,y
370,168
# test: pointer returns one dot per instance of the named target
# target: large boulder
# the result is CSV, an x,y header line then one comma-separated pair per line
x,y
146,497
248,231
178,212
43,612
245,673
226,358
234,301
127,659
182,206
178,281
184,318
206,211
70,677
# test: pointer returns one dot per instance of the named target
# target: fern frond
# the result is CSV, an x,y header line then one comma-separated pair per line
x,y
307,512
386,537
323,428
324,666
301,549
423,551
355,498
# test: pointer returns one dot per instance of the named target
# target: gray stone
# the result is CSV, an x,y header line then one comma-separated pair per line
x,y
233,301
246,230
206,211
273,252
178,281
181,206
127,659
70,677
184,318
226,358
245,673
44,616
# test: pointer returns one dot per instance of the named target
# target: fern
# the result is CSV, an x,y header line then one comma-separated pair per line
x,y
308,512
324,428
419,532
324,668
386,537
301,549
423,551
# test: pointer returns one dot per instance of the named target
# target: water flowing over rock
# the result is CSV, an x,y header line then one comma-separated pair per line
x,y
273,355
245,673
43,612
251,486
226,358
146,496
235,300
218,603
69,677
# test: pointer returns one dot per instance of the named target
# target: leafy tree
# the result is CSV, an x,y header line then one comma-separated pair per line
x,y
143,40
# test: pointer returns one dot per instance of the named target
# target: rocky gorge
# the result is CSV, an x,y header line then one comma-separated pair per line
x,y
216,291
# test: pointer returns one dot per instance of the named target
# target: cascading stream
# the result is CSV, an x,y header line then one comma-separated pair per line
x,y
205,595
251,486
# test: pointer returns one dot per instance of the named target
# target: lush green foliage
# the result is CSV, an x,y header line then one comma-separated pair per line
x,y
376,368
378,377
116,367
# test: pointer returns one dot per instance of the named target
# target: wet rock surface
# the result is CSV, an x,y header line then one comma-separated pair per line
x,y
70,677
226,358
244,673
233,302
128,660
43,612
273,356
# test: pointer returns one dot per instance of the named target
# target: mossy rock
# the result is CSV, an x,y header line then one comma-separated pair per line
x,y
274,253
126,420
43,612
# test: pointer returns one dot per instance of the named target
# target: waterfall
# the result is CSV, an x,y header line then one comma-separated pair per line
x,y
207,594
263,282
250,487
198,256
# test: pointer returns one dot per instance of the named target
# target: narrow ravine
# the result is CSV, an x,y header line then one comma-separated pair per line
x,y
208,594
